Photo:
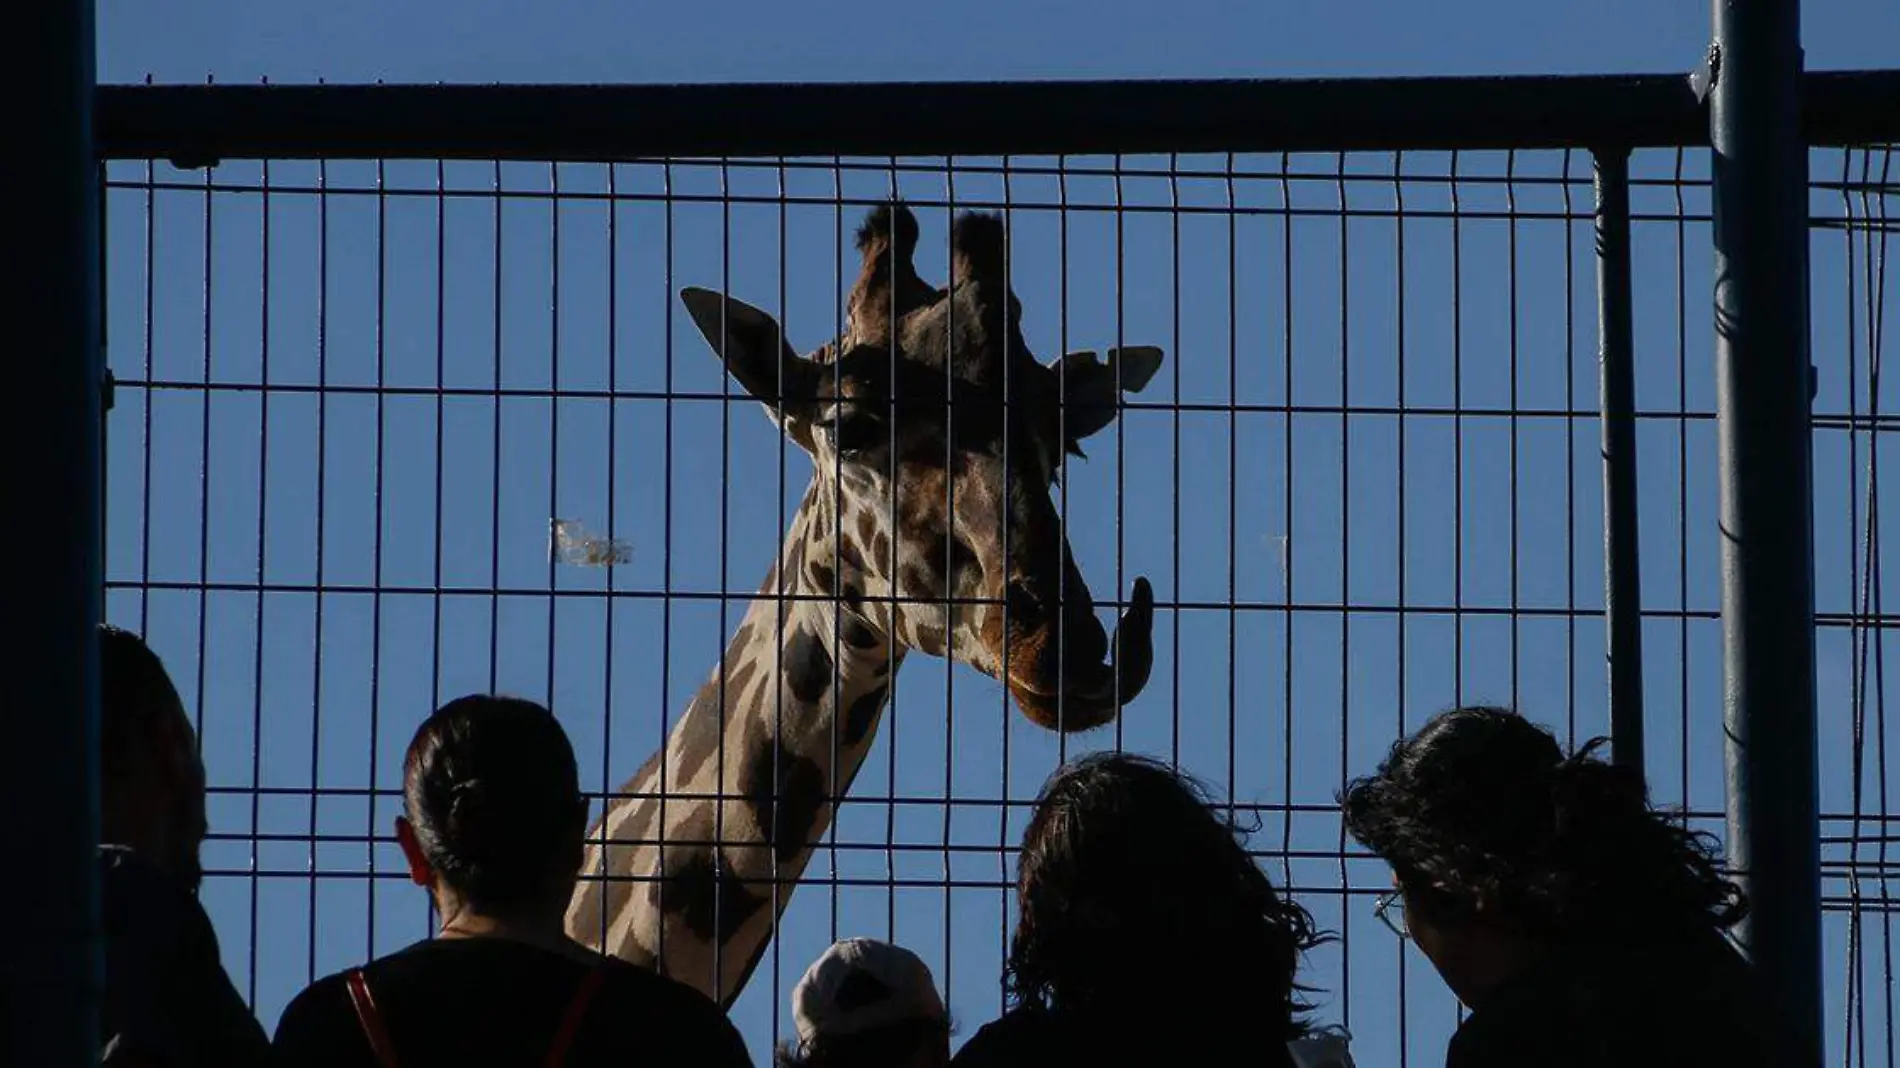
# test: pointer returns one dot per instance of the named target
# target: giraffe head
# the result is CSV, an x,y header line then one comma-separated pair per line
x,y
936,438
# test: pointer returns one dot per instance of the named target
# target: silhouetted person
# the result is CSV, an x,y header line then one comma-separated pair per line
x,y
168,1001
1145,933
493,825
867,1004
1579,926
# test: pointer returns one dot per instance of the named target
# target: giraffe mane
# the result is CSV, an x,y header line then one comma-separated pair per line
x,y
888,224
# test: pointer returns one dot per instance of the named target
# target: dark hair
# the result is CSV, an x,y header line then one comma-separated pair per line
x,y
879,1047
143,727
1481,807
491,787
1131,889
138,705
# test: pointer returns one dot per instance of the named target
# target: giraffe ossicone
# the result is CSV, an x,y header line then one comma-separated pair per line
x,y
935,437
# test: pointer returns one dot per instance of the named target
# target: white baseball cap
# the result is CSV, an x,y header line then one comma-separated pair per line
x,y
861,984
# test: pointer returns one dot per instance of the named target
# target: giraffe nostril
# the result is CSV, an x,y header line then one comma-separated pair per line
x,y
1023,602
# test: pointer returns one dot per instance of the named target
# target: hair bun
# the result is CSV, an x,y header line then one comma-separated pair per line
x,y
471,820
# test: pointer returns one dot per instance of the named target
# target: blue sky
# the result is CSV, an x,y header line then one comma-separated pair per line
x,y
279,711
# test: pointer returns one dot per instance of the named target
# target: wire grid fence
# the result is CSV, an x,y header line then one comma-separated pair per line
x,y
351,396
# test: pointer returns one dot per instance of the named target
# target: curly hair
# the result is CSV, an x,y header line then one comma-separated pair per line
x,y
1481,809
1129,884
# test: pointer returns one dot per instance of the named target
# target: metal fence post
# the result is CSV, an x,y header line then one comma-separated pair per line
x,y
50,408
1763,403
1616,398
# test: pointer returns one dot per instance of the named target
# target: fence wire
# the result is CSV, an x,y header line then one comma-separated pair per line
x,y
352,396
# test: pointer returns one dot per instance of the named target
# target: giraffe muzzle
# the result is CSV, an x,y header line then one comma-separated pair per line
x,y
1081,694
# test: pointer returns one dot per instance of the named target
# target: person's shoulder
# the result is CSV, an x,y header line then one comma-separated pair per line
x,y
1762,1032
626,979
165,986
327,998
1020,1036
1665,980
1537,1031
630,982
323,1002
1634,1004
319,1028
136,894
326,1005
686,1012
1555,1011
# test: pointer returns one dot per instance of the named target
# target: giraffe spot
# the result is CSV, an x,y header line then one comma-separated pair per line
x,y
786,810
920,585
881,546
858,634
794,561
711,902
738,677
853,594
822,576
850,556
867,528
862,713
807,666
700,731
604,898
929,640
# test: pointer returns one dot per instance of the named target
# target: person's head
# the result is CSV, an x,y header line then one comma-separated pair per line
x,y
1500,846
867,1004
151,780
493,817
1131,888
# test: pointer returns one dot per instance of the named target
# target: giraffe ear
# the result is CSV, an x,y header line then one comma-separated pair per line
x,y
1090,388
754,349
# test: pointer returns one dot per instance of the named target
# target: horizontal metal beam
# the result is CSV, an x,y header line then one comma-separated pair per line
x,y
197,124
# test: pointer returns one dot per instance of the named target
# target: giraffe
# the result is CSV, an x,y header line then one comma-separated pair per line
x,y
927,492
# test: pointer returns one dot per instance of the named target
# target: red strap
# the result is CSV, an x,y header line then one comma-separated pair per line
x,y
371,1020
576,1009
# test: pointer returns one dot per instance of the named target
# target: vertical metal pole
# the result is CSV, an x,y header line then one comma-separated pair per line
x,y
1763,398
49,970
1616,400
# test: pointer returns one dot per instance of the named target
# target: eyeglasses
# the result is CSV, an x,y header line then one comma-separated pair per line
x,y
1391,911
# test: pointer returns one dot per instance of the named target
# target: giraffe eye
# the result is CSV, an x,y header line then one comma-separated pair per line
x,y
854,433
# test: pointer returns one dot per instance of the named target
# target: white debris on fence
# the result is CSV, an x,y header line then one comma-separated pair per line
x,y
571,543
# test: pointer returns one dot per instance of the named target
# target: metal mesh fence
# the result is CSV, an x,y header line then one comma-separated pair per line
x,y
352,396
1854,200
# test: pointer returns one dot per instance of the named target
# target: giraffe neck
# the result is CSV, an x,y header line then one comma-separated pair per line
x,y
779,730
